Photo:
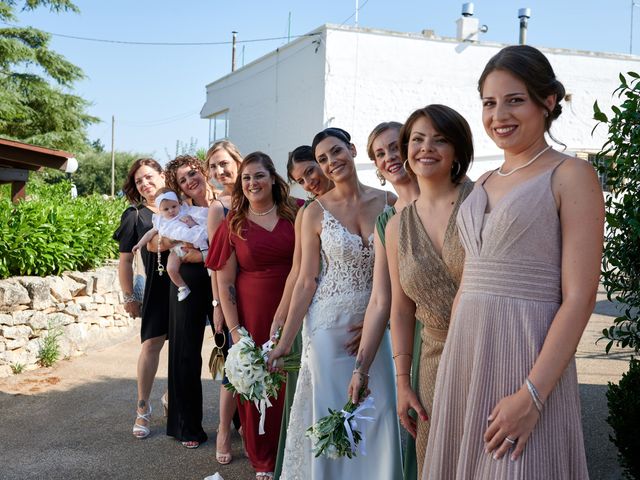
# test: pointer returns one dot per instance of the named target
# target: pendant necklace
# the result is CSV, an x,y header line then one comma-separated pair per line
x,y
502,174
262,214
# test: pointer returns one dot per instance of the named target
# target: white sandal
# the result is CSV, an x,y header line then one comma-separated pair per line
x,y
142,431
264,475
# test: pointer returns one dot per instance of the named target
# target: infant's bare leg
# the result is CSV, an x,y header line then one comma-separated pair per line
x,y
173,269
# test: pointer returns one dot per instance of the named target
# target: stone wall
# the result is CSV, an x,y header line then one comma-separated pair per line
x,y
86,307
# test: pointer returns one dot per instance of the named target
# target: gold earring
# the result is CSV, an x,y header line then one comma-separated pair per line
x,y
383,181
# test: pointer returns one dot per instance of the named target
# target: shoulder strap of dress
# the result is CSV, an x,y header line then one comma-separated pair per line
x,y
386,197
487,177
553,169
321,206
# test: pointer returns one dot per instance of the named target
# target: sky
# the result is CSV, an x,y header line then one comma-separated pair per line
x,y
155,93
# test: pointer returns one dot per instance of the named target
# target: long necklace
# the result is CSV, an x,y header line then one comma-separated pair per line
x,y
262,214
500,172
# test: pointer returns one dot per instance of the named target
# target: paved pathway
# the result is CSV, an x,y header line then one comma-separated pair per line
x,y
73,421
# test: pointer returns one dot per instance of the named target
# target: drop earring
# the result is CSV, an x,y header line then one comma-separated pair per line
x,y
383,181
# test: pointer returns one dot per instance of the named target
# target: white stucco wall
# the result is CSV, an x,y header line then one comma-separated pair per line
x,y
359,78
375,76
275,103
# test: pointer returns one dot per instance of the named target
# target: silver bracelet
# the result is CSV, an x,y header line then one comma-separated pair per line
x,y
533,391
128,298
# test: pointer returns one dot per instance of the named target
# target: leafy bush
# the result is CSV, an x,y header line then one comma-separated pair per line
x,y
50,232
50,348
619,163
94,172
624,417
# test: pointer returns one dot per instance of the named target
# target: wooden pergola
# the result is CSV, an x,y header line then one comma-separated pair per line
x,y
17,159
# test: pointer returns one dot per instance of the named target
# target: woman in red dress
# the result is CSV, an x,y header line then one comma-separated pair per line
x,y
252,252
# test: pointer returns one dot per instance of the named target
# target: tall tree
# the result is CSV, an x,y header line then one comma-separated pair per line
x,y
36,103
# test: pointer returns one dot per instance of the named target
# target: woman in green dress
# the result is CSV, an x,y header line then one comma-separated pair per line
x,y
383,149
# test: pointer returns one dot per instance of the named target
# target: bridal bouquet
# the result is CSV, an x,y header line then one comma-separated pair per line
x,y
338,435
249,377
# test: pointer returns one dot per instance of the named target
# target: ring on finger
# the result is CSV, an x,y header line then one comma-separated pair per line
x,y
512,441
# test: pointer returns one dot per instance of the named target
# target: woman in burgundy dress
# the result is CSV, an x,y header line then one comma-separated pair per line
x,y
252,252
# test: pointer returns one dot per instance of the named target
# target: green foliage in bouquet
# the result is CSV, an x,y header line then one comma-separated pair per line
x,y
328,435
50,232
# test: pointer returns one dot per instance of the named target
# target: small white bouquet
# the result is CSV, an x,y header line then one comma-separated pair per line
x,y
249,377
338,435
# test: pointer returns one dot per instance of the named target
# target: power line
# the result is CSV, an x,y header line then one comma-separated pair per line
x,y
354,13
165,44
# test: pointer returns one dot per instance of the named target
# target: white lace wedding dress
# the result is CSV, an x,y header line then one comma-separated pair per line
x,y
340,301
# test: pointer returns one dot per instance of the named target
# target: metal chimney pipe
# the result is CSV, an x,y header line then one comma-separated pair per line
x,y
524,14
233,51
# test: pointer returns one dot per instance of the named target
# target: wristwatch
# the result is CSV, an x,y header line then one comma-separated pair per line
x,y
215,303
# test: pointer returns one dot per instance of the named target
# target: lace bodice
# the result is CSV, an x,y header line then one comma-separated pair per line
x,y
347,263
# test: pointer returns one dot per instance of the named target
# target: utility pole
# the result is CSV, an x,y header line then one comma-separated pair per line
x,y
113,156
357,10
233,51
289,29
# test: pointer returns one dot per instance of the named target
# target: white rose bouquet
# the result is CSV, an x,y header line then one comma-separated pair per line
x,y
249,377
338,435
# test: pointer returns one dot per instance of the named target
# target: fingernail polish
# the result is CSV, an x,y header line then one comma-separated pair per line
x,y
495,456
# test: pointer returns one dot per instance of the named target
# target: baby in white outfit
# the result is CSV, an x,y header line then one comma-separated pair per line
x,y
177,222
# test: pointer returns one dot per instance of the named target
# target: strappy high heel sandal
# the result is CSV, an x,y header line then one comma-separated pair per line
x,y
223,458
264,475
142,431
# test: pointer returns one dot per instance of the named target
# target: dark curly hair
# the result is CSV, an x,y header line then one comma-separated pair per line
x,y
171,169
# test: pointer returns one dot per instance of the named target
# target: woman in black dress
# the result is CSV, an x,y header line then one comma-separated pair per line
x,y
144,179
187,319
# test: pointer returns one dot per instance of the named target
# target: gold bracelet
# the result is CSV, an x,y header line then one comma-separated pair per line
x,y
403,374
402,354
361,373
234,328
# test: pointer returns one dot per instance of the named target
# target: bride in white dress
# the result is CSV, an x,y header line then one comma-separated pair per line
x,y
333,290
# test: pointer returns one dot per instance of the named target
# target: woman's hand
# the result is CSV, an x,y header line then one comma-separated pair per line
x,y
235,336
192,255
353,345
188,220
510,424
277,324
218,319
275,355
408,400
133,309
359,383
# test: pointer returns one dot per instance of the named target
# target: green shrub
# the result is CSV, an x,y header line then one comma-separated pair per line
x,y
49,352
619,164
624,417
50,232
17,368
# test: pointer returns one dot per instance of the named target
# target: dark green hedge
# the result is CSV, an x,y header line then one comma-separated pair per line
x,y
50,232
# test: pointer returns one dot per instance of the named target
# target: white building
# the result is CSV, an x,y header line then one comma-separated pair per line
x,y
355,78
